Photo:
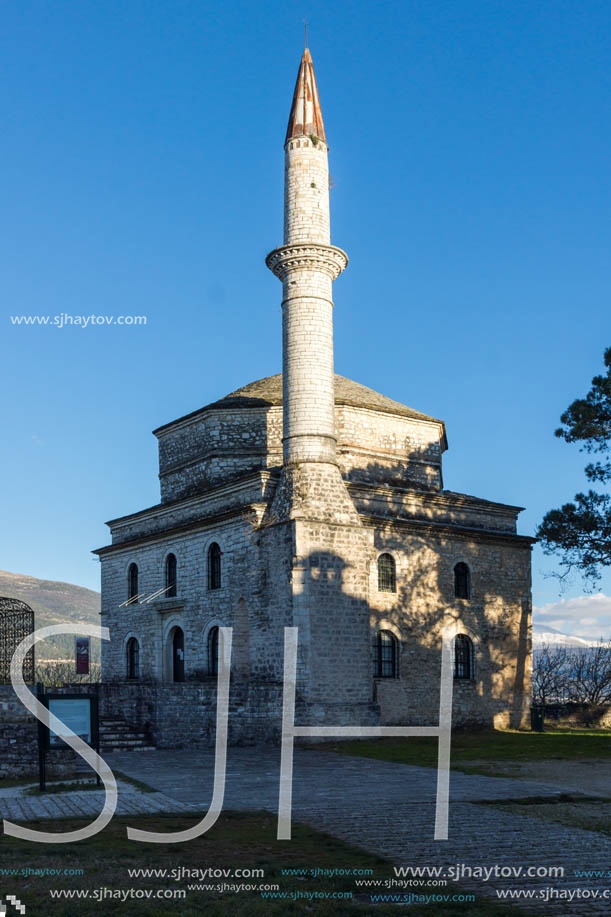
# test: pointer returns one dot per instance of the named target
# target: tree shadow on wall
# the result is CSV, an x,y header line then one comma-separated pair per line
x,y
496,617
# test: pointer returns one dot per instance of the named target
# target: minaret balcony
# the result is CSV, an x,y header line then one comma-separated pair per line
x,y
307,255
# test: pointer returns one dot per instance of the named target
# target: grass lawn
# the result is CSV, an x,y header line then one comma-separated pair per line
x,y
6,782
484,745
237,841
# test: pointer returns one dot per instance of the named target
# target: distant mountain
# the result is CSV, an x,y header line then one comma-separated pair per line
x,y
543,635
53,603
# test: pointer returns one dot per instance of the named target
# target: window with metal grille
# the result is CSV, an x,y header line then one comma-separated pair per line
x,y
463,657
462,581
386,655
214,566
133,658
213,651
170,575
178,654
132,584
387,575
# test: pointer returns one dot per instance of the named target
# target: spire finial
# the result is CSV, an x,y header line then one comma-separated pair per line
x,y
306,117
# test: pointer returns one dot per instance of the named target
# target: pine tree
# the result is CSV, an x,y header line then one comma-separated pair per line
x,y
580,531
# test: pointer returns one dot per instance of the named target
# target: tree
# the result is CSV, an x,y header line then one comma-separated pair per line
x,y
550,674
590,675
54,673
580,531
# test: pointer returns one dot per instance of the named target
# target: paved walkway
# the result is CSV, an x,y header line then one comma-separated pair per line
x,y
16,806
382,807
389,809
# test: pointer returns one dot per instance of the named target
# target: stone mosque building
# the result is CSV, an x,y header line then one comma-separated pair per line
x,y
306,499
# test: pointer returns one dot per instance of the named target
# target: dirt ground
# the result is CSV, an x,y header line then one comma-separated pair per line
x,y
580,780
591,776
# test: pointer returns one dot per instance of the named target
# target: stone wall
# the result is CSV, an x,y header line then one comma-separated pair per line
x,y
184,715
18,736
382,448
496,618
217,446
19,742
313,564
195,609
573,714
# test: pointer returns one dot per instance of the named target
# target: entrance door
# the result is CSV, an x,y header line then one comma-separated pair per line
x,y
178,655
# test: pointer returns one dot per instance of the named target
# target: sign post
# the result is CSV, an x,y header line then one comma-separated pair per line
x,y
42,770
79,712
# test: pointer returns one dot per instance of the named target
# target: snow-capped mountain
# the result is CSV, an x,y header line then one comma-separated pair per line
x,y
545,635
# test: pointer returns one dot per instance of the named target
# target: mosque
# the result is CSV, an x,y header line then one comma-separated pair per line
x,y
308,500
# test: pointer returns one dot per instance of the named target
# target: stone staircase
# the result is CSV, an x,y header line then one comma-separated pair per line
x,y
117,735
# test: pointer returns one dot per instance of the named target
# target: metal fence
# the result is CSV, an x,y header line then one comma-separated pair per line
x,y
16,622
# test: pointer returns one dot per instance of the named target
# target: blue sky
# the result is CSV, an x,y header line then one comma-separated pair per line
x,y
142,175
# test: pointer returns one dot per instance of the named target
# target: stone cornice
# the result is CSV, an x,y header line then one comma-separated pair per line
x,y
224,453
167,605
327,258
210,411
214,519
444,498
430,527
406,457
260,477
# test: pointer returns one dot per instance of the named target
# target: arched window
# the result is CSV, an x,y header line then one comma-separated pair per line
x,y
170,575
386,655
213,651
178,655
133,658
132,584
387,574
463,657
214,566
462,581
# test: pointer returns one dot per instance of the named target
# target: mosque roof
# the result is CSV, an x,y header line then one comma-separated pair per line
x,y
268,393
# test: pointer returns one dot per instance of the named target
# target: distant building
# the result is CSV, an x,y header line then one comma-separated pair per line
x,y
306,499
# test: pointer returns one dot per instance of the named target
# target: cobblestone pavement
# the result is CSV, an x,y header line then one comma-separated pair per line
x,y
385,808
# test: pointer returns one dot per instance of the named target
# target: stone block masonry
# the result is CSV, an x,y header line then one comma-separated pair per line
x,y
18,736
306,192
307,272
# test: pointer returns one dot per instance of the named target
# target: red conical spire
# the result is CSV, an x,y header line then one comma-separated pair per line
x,y
306,116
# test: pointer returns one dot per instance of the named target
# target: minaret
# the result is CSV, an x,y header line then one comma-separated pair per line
x,y
307,264
314,532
